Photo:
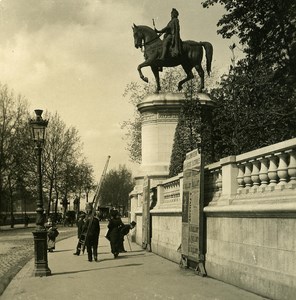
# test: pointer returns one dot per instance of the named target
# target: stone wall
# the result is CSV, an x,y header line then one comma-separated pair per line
x,y
251,241
256,254
166,219
166,235
250,216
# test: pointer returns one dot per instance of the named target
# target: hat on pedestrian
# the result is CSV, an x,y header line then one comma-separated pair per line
x,y
114,213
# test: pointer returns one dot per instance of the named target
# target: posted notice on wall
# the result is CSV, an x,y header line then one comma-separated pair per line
x,y
191,205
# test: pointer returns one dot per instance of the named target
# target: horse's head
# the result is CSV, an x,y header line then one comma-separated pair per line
x,y
144,35
138,36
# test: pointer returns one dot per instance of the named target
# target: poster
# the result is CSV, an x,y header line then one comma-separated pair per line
x,y
191,207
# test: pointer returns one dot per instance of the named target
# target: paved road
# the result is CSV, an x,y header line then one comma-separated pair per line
x,y
135,275
17,248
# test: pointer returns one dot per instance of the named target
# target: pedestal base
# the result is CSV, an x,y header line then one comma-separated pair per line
x,y
40,250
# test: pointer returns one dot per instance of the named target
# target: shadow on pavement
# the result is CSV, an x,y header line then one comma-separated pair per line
x,y
97,269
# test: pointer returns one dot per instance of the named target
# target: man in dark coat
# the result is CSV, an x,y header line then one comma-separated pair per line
x,y
80,225
92,227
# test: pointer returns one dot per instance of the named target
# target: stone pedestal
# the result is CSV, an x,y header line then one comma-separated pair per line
x,y
159,120
160,114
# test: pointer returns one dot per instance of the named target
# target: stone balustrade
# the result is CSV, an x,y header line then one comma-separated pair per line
x,y
171,191
256,174
268,169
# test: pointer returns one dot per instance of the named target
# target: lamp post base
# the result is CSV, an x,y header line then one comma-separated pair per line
x,y
40,250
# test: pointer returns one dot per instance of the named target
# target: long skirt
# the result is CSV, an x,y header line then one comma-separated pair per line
x,y
115,241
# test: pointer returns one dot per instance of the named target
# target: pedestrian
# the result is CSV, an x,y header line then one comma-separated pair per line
x,y
113,234
124,230
80,227
92,229
52,233
26,220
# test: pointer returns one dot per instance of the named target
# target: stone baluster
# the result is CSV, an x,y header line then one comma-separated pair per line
x,y
215,180
263,173
292,168
255,173
247,174
282,171
240,176
219,180
272,170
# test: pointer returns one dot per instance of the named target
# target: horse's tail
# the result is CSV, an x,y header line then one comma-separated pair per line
x,y
209,55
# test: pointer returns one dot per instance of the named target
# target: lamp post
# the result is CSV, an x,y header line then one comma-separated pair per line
x,y
38,127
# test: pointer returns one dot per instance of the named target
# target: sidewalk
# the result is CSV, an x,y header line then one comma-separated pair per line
x,y
136,274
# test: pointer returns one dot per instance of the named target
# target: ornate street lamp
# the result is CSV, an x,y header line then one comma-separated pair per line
x,y
38,127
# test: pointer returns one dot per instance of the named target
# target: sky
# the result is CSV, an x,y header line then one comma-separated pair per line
x,y
75,57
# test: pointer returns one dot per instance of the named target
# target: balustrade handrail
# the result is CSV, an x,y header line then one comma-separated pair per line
x,y
272,167
272,149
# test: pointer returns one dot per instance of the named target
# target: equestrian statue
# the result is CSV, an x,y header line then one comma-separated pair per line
x,y
171,51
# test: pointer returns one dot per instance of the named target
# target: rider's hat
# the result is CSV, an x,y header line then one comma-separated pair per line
x,y
175,12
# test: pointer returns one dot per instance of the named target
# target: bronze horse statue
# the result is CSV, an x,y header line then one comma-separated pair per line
x,y
191,57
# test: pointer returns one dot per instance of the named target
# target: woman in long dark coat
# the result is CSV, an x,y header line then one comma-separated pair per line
x,y
113,235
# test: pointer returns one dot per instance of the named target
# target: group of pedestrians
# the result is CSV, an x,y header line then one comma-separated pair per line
x,y
89,230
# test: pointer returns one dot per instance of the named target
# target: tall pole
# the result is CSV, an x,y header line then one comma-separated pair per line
x,y
40,233
41,268
39,210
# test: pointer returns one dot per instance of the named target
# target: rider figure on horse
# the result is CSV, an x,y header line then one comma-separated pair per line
x,y
171,36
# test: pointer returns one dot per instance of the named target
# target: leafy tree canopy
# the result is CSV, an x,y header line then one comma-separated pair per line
x,y
265,28
115,189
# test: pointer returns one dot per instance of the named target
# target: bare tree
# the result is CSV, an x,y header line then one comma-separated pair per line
x,y
61,151
14,146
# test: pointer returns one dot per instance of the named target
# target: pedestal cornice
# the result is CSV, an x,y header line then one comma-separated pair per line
x,y
161,101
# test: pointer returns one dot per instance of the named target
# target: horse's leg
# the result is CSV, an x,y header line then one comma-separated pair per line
x,y
142,65
201,74
146,63
188,71
155,71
